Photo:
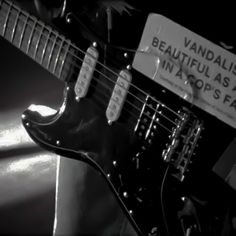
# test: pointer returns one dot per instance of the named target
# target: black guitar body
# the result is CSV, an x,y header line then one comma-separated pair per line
x,y
142,155
132,166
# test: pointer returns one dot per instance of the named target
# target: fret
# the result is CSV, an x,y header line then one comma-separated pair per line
x,y
14,26
45,46
2,16
64,58
49,48
7,17
51,51
39,38
23,31
58,55
26,40
12,19
30,37
19,30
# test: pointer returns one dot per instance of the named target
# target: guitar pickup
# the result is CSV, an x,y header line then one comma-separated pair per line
x,y
86,72
118,96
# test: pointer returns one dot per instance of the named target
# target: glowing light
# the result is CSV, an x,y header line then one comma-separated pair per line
x,y
26,176
14,136
42,110
31,163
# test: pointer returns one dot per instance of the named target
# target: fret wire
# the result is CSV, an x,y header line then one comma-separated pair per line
x,y
45,46
30,37
37,44
14,27
7,17
67,51
28,16
58,55
64,57
51,52
23,31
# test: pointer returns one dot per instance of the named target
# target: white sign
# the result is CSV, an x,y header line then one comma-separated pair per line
x,y
189,65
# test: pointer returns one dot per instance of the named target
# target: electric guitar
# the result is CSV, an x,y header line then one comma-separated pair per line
x,y
149,144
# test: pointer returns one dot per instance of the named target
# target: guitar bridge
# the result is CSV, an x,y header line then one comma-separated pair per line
x,y
183,142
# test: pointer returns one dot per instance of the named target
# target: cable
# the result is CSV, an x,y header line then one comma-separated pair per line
x,y
161,199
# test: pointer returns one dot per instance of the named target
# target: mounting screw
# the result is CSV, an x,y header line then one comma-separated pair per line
x,y
68,20
128,67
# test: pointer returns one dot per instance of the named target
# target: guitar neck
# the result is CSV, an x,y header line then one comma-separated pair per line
x,y
37,40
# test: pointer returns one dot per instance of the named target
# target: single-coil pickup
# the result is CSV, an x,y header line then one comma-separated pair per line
x,y
86,72
148,119
118,96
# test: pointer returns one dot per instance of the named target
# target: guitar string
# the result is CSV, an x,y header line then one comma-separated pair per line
x,y
129,111
107,68
78,49
136,106
35,29
133,122
139,109
111,91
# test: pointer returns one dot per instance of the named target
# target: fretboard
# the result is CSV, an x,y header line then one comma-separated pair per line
x,y
39,41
